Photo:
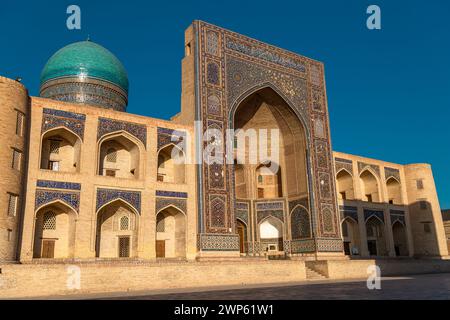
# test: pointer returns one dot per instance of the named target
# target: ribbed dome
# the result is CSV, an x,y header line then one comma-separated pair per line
x,y
85,72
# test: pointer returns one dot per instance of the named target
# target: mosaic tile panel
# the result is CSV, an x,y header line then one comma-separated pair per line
x,y
391,172
217,211
169,136
398,215
105,196
302,246
349,211
343,164
52,118
368,213
363,166
162,203
43,197
106,126
218,242
329,245
300,223
261,215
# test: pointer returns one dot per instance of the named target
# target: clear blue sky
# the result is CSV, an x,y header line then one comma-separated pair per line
x,y
388,90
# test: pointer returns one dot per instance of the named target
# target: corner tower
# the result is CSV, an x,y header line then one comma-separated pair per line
x,y
14,103
85,72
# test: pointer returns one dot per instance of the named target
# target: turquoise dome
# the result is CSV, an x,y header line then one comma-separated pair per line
x,y
85,59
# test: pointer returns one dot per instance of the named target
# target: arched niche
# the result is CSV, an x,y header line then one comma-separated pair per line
x,y
351,237
120,156
369,187
60,150
54,231
394,191
171,165
345,185
170,233
117,230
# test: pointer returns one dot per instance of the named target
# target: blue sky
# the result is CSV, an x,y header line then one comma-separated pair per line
x,y
388,90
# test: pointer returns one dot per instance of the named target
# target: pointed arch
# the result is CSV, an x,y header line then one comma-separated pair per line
x,y
119,200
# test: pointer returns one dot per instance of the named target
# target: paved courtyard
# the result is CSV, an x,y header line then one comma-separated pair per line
x,y
432,286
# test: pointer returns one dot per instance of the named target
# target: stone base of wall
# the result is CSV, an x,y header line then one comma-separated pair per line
x,y
34,280
357,269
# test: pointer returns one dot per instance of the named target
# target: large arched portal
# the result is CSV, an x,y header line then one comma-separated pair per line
x,y
170,233
376,239
117,225
286,174
271,234
54,235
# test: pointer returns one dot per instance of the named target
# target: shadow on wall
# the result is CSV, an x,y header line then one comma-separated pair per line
x,y
379,229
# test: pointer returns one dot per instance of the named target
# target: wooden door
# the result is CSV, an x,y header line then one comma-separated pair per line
x,y
124,247
48,249
160,248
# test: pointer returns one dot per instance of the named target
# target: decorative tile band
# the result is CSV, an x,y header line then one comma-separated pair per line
x,y
329,245
105,196
171,194
265,55
106,126
43,197
64,114
218,242
58,185
275,205
343,160
241,206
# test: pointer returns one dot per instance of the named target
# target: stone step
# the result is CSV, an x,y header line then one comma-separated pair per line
x,y
312,274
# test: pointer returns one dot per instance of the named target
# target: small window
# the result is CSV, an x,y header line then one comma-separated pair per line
x,y
54,146
423,205
49,221
111,155
12,205
20,124
124,223
343,195
391,201
419,184
124,247
53,165
369,197
260,179
427,227
16,159
110,173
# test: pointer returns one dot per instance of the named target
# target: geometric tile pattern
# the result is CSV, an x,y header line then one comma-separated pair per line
x,y
57,118
106,126
105,196
58,185
43,197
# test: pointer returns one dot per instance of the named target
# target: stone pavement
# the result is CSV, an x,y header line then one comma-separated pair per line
x,y
431,286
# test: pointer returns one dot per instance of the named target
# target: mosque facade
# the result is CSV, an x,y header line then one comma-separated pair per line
x,y
83,179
